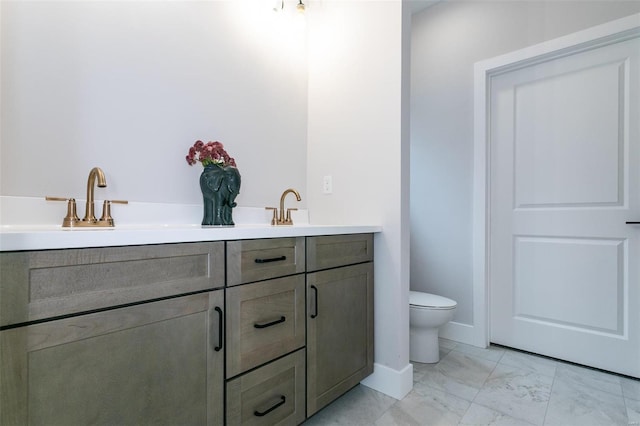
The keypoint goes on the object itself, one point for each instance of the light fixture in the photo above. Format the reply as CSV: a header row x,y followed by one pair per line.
x,y
300,7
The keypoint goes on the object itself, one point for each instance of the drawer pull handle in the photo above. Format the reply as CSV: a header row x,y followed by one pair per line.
x,y
315,301
272,259
269,324
219,347
264,413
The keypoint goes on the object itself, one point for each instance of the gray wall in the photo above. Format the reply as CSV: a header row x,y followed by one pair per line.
x,y
447,39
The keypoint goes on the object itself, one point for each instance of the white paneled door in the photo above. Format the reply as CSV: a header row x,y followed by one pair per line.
x,y
564,180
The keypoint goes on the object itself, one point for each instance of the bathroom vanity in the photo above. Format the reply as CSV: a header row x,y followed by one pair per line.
x,y
257,331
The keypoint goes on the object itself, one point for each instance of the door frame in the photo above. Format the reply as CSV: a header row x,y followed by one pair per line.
x,y
591,38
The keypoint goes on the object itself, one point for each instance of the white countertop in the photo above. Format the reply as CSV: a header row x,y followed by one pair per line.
x,y
24,237
164,223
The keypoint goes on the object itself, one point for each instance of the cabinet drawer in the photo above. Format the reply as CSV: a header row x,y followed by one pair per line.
x,y
43,284
271,395
338,250
264,320
255,260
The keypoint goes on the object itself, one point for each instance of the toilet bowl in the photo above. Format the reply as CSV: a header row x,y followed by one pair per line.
x,y
427,313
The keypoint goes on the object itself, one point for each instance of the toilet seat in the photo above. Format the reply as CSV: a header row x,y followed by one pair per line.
x,y
418,299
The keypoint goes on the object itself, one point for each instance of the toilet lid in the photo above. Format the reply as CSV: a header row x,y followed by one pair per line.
x,y
418,298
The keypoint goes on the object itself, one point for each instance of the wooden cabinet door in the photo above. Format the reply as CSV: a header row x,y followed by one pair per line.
x,y
339,332
154,363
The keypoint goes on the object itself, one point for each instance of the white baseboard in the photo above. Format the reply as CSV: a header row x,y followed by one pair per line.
x,y
396,384
463,333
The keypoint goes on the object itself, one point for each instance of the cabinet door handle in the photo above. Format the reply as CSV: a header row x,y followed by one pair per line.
x,y
633,223
315,301
220,326
269,324
264,413
271,259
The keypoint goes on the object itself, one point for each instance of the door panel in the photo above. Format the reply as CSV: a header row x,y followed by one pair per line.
x,y
564,179
550,117
548,270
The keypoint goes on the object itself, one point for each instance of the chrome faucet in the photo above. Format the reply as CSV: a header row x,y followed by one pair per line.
x,y
280,219
96,172
71,219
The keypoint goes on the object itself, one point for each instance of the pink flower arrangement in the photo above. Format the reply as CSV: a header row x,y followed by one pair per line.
x,y
209,153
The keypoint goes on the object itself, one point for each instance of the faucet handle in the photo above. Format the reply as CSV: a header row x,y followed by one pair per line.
x,y
72,216
274,220
288,219
48,198
106,210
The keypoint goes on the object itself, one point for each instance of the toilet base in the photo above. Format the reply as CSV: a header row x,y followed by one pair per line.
x,y
424,346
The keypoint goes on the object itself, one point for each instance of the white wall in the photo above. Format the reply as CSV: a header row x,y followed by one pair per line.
x,y
447,39
355,134
130,86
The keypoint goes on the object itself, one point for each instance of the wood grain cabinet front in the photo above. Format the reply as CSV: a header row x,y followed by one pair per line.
x,y
152,335
265,320
36,285
154,363
339,324
270,395
330,251
256,260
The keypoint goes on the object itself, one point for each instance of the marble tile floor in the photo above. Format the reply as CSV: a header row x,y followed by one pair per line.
x,y
494,386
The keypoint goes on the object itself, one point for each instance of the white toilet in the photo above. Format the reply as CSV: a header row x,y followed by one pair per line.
x,y
427,313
